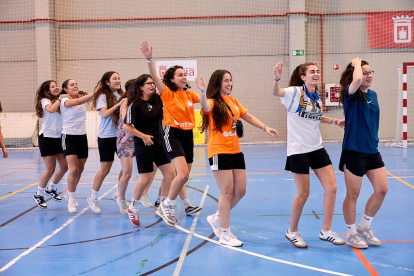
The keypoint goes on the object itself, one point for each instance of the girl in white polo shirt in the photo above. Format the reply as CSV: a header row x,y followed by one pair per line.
x,y
105,100
47,104
74,141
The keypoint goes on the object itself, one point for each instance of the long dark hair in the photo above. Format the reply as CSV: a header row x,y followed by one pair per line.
x,y
1,108
346,79
221,115
300,70
44,92
169,74
103,88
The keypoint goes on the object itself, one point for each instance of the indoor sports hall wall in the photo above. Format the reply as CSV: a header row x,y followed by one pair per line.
x,y
81,40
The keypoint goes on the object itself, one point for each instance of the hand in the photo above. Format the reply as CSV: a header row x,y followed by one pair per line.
x,y
356,61
278,70
121,102
340,123
146,50
201,83
148,140
5,153
63,96
272,131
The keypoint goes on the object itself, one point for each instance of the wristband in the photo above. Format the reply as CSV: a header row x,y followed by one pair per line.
x,y
203,92
330,121
278,79
264,127
148,59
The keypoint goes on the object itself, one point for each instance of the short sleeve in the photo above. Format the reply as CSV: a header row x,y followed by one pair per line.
x,y
194,96
101,102
45,102
241,108
62,104
349,98
288,98
130,115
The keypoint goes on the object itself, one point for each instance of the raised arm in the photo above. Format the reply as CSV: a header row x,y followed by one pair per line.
x,y
205,104
106,112
277,91
257,123
79,101
147,52
356,77
51,108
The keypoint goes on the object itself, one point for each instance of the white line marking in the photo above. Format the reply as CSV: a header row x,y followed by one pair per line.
x,y
45,239
190,235
263,256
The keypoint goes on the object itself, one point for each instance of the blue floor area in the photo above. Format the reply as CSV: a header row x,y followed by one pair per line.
x,y
56,242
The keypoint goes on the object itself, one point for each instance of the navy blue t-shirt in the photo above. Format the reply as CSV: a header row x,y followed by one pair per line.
x,y
361,122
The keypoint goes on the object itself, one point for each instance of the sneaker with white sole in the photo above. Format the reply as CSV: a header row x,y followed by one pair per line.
x,y
191,210
93,203
66,196
145,201
296,239
216,226
368,235
230,240
354,240
53,194
115,196
40,201
167,213
332,237
134,216
72,204
123,206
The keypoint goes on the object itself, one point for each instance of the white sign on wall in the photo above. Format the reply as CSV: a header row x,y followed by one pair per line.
x,y
190,67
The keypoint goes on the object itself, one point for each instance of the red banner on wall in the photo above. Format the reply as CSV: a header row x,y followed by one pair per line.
x,y
391,29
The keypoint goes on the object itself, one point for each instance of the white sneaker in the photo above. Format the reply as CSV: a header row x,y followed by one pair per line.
x,y
123,206
354,240
368,235
72,204
296,239
145,201
333,238
66,196
167,213
230,240
216,226
115,196
93,203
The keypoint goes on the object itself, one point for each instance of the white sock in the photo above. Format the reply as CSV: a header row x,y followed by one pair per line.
x,y
134,203
51,186
169,201
40,191
71,195
290,232
186,203
326,232
94,194
351,229
365,221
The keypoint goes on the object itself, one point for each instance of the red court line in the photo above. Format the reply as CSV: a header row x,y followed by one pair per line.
x,y
364,260
21,170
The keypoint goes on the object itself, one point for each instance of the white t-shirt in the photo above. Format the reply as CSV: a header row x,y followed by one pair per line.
x,y
74,118
303,118
52,122
106,127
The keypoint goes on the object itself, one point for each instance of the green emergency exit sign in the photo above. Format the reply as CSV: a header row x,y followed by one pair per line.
x,y
298,52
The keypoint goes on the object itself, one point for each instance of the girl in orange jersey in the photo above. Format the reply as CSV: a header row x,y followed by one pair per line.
x,y
224,153
178,133
2,145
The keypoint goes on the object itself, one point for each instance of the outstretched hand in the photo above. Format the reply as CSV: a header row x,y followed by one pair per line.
x,y
278,69
340,123
146,50
272,131
201,83
356,61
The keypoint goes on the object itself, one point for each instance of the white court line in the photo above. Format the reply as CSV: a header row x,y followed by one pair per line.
x,y
263,256
45,239
190,235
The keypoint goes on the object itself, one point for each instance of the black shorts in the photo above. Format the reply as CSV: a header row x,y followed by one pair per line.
x,y
75,145
222,161
107,149
178,142
146,155
300,163
358,163
49,146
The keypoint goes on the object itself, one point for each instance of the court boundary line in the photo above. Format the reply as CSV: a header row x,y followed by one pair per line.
x,y
371,270
16,192
263,256
21,170
399,179
45,239
190,235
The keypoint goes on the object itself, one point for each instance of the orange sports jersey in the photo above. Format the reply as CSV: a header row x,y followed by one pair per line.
x,y
179,108
226,141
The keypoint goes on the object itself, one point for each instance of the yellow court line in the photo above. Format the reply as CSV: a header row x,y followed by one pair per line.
x,y
396,177
31,185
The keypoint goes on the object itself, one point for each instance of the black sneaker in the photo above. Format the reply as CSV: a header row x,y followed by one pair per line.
x,y
157,203
39,201
191,210
53,194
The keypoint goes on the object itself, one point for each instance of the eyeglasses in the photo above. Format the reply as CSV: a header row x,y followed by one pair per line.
x,y
367,73
149,83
